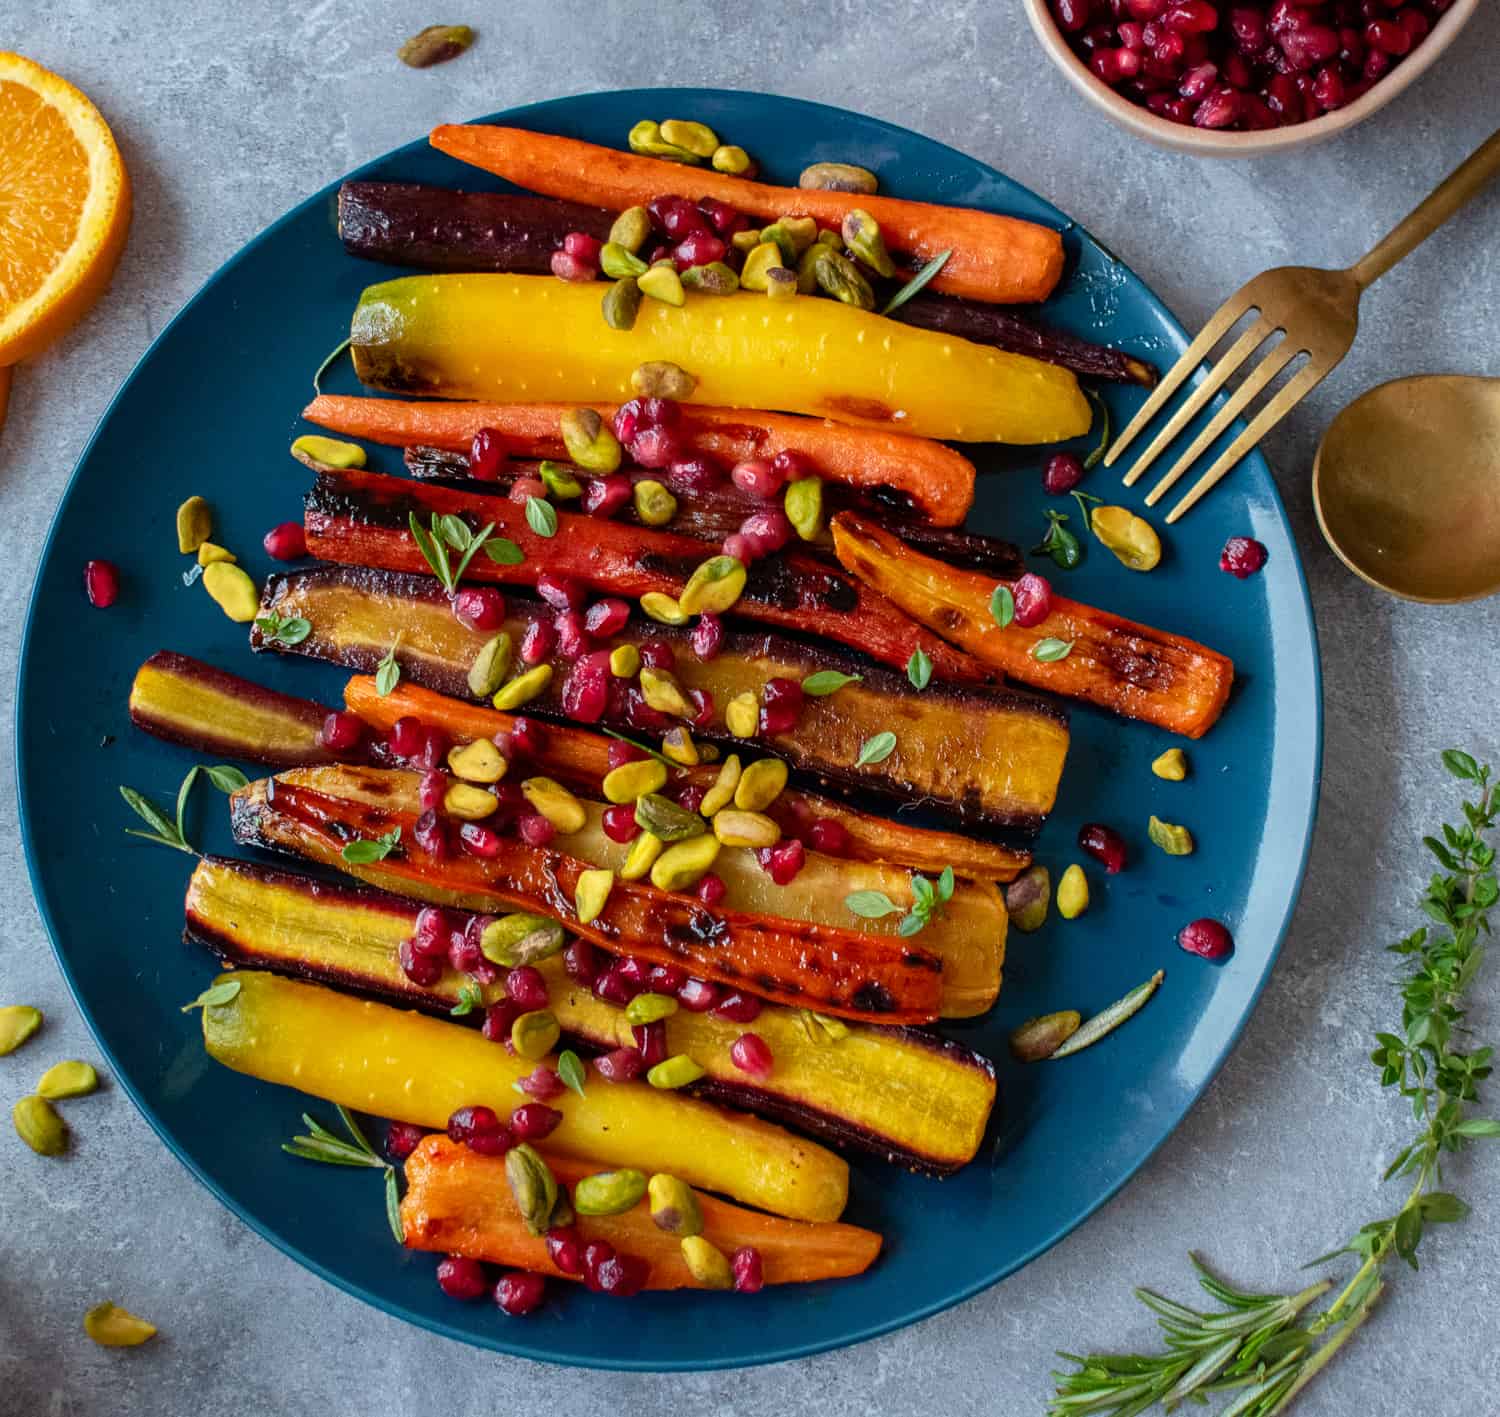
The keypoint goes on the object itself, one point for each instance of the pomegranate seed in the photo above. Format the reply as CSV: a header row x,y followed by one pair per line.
x,y
1242,556
794,466
758,478
650,1042
434,751
527,987
640,715
582,962
699,473
528,739
534,829
595,1253
1414,22
767,531
620,824
711,891
431,930
1388,37
658,654
583,247
523,489
1062,474
1104,844
620,752
431,835
1236,71
1072,15
1207,938
749,1274
432,786
541,1083
698,996
570,268
1377,65
635,969
464,952
739,547
615,988
658,446
498,1019
479,840
783,861
486,453
676,216
707,638
407,738
561,592
1329,89
781,705
604,496
461,1278
585,694
519,1293
341,732
479,608
627,421
469,1122
606,618
703,704
622,1065
698,248
537,642
750,1054
285,542
565,1249
401,1139
1192,17
101,583
737,1007
1248,26
423,970
534,1120
1199,81
1033,599
829,836
1114,66
1219,110
619,1275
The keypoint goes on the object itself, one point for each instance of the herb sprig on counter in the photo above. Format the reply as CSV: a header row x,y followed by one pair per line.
x,y
1264,1348
319,1144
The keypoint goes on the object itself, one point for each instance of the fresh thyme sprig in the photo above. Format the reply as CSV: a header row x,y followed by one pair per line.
x,y
448,531
322,1145
1260,1346
928,899
171,831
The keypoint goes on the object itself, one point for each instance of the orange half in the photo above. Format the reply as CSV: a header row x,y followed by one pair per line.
x,y
64,206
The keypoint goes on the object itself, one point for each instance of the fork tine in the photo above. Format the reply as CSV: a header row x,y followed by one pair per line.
x,y
1303,382
1224,319
1238,353
1234,405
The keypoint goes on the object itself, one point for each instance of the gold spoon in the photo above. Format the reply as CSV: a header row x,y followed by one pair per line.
x,y
1406,485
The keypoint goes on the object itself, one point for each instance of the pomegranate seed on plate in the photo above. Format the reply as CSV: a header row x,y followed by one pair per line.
x,y
737,1007
758,478
527,987
781,705
537,642
698,996
604,496
534,829
523,489
749,1274
467,1122
286,542
434,751
431,930
479,608
583,247
401,1139
794,466
722,217
479,840
711,891
698,248
676,216
519,1293
1062,474
620,824
650,1042
561,592
1242,556
614,988
528,739
1207,938
534,1120
767,531
542,1083
658,654
750,1054
606,618
486,453
498,1019
665,978
341,732
619,1275
432,786
1104,844
461,1278
698,473
570,268
431,835
739,547
1032,595
582,962
707,637
622,1065
423,970
658,446
407,738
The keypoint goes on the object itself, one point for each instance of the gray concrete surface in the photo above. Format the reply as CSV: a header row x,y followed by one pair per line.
x,y
230,113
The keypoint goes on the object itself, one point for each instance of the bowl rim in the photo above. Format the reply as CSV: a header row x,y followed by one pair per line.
x,y
1184,138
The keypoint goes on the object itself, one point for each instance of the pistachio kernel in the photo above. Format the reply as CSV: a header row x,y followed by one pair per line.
x,y
660,689
711,278
664,819
534,1035
469,803
208,553
706,1263
624,661
762,259
861,233
619,262
715,585
838,177
804,506
745,241
561,483
559,806
17,1023
839,277
678,746
72,1078
113,1327
760,785
480,761
436,44
1133,539
781,283
663,283
1173,839
1072,893
1040,1038
195,524
742,715
563,1212
807,280
591,893
662,608
721,794
643,854
661,379
674,1072
696,138
630,229
490,666
318,451
590,441
1172,765
736,828
533,1186
630,781
683,864
654,505
523,688
621,304
1028,897
800,231
39,1126
645,137
733,160
649,1008
674,1206
521,939
609,1192
233,591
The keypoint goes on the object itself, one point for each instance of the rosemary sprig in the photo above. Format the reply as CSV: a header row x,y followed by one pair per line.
x,y
1262,1347
319,1144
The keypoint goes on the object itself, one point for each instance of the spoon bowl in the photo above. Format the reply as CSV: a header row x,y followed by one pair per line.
x,y
1406,485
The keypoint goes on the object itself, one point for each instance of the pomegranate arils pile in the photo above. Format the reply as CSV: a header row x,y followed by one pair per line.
x,y
1247,65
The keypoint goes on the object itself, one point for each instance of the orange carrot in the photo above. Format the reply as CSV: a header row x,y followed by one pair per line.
x,y
995,258
1137,671
939,480
459,1203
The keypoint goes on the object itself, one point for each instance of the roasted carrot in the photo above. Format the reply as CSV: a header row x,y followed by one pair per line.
x,y
360,518
995,258
458,1202
1137,671
314,812
939,481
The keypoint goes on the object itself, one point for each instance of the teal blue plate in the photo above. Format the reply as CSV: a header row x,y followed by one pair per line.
x,y
210,410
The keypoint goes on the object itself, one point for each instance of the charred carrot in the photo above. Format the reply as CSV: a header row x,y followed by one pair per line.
x,y
459,1202
1137,671
361,518
938,481
995,258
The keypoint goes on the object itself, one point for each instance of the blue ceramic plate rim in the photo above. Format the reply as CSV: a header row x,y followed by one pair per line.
x,y
857,1334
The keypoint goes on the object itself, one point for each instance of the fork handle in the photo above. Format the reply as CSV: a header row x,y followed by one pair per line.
x,y
1466,181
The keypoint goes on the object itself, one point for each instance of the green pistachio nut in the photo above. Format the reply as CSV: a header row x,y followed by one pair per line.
x,y
469,803
646,138
1028,897
559,806
1173,839
674,1206
763,258
316,451
835,1028
73,1078
661,379
807,278
643,854
665,820
17,1023
663,283
630,229
490,666
609,1192
734,827
838,177
733,160
804,506
1040,1038
660,689
713,278
480,761
714,586
534,1035
631,781
590,441
654,505
521,939
624,661
649,1008
1072,893
760,785
662,608
781,283
839,277
745,241
618,262
39,1126
683,865
696,138
592,892
706,1263
621,304
861,233
523,688
563,1212
721,794
559,481
678,746
742,715
534,1187
674,1072
1171,766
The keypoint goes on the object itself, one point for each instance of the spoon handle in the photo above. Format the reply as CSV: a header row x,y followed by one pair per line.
x,y
1467,180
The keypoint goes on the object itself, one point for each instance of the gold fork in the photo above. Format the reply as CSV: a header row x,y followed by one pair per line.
x,y
1315,311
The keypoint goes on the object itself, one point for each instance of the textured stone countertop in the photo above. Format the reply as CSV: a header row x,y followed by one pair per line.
x,y
228,114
